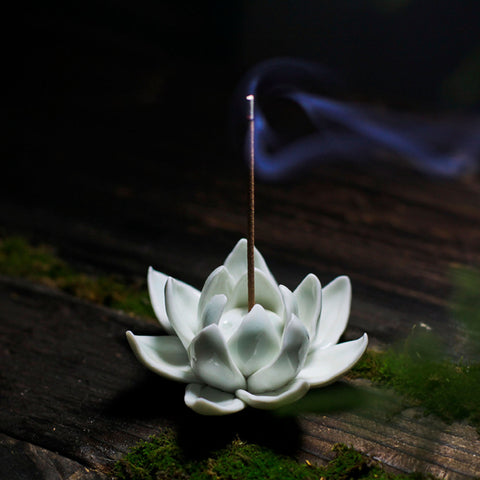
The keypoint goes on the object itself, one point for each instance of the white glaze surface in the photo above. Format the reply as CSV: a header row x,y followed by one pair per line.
x,y
264,358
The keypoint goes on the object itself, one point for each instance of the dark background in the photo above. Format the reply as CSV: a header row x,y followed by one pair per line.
x,y
108,85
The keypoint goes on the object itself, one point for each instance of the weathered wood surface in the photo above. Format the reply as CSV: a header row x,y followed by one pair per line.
x,y
397,235
74,398
27,461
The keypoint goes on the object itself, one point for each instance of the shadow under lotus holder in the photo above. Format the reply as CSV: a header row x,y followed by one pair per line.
x,y
231,357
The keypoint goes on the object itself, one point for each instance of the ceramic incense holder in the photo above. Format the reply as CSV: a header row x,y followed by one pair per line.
x,y
230,357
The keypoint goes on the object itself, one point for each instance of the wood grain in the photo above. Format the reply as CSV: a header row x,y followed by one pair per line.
x,y
74,399
72,388
23,460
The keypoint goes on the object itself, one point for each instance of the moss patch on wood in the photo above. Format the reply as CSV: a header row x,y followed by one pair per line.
x,y
465,307
40,264
416,370
161,458
419,369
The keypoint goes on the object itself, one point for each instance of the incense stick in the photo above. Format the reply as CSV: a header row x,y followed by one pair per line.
x,y
251,205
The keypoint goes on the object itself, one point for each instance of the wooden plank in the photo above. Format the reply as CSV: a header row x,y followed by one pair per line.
x,y
25,461
70,385
397,236
69,381
407,442
66,373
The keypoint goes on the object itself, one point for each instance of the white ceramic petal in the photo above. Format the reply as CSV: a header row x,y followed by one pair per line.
x,y
236,262
309,298
210,401
267,293
213,310
181,304
164,355
336,298
218,282
324,365
231,320
290,303
283,396
156,289
290,360
255,343
212,362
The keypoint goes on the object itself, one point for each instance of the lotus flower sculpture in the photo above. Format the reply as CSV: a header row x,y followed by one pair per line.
x,y
231,357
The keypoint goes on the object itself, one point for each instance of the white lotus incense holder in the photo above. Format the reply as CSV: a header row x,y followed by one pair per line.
x,y
230,357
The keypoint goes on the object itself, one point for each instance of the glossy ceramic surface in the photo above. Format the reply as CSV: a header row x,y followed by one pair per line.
x,y
264,358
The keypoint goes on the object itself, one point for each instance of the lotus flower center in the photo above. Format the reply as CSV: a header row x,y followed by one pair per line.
x,y
231,320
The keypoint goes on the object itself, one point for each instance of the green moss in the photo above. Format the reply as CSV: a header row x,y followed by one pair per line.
x,y
419,370
40,264
465,306
161,458
447,389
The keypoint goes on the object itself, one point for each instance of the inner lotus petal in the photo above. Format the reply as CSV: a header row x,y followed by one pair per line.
x,y
231,320
218,282
213,310
289,301
210,401
337,297
212,362
236,262
267,293
181,302
290,360
255,343
164,355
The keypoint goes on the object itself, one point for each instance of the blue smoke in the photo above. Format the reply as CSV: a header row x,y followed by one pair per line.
x,y
347,131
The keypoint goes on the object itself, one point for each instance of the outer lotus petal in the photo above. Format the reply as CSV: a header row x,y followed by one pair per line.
x,y
156,289
337,297
163,355
255,343
324,365
236,262
309,298
212,362
181,303
290,303
288,394
210,401
289,361
267,293
213,310
218,282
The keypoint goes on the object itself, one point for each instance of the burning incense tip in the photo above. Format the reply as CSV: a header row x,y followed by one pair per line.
x,y
251,111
